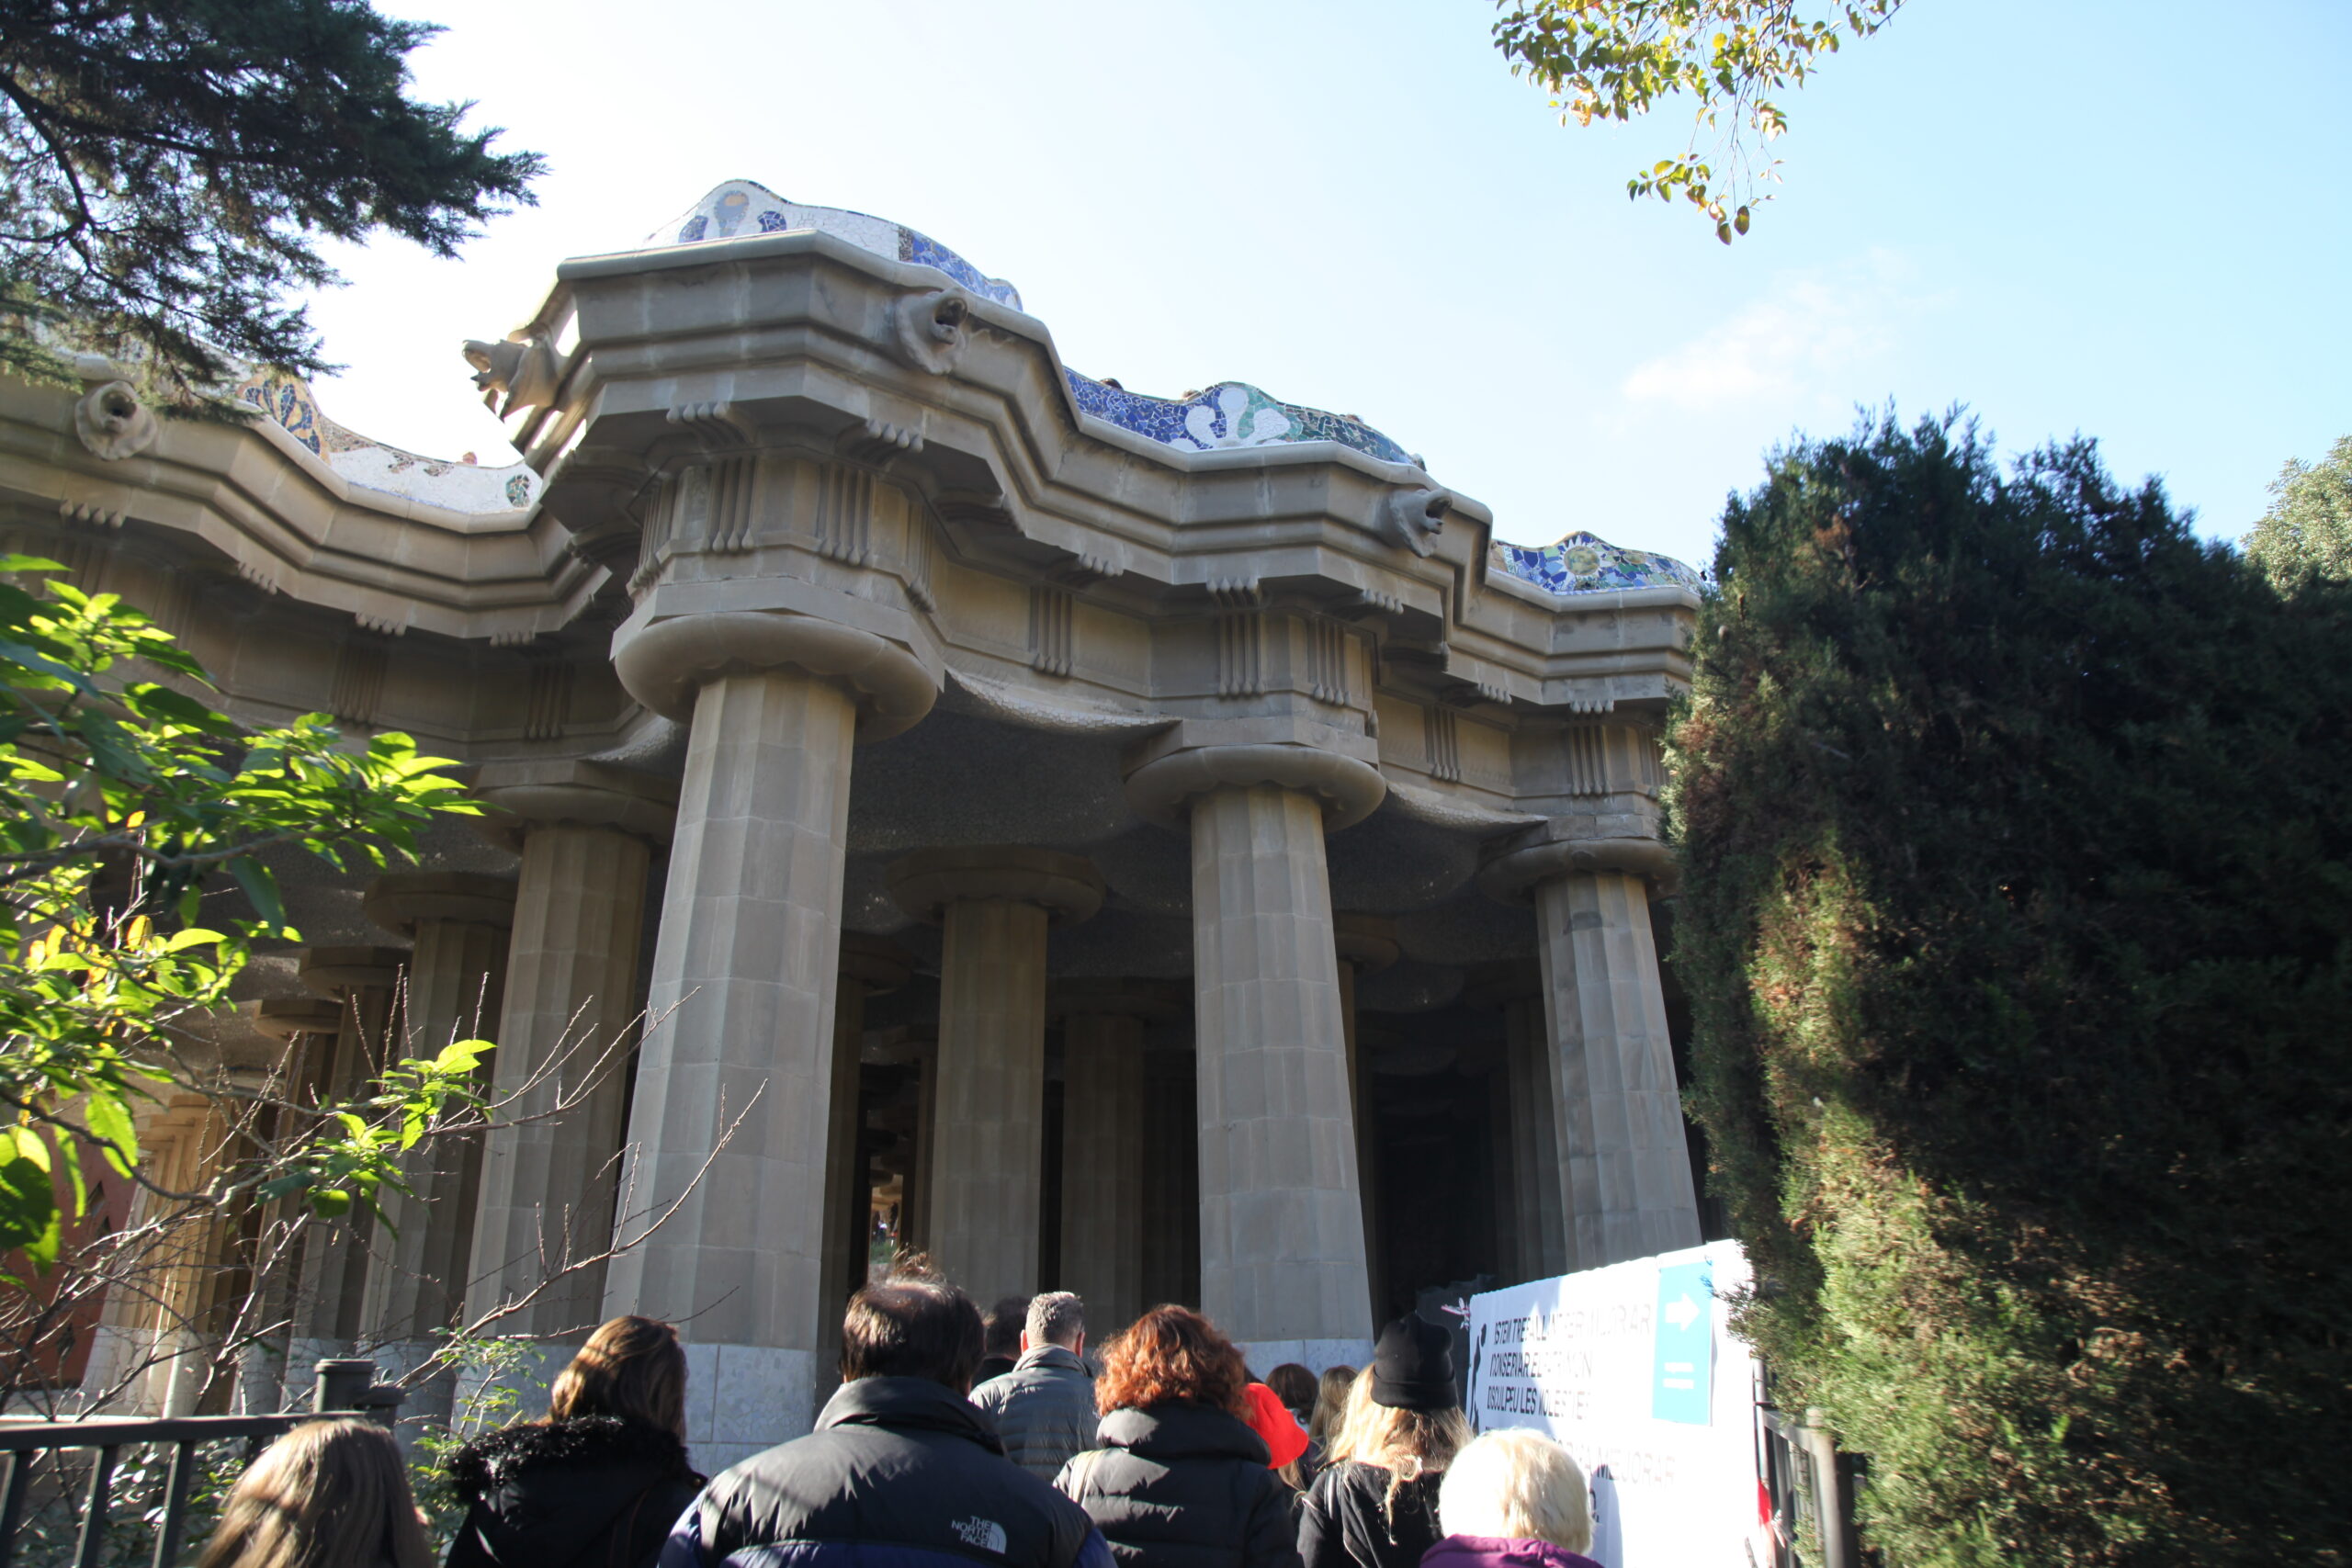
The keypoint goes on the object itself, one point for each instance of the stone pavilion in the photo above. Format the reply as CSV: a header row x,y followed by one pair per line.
x,y
1166,848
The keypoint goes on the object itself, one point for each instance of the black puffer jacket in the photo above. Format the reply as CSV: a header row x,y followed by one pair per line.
x,y
1184,1487
1348,1522
594,1492
900,1472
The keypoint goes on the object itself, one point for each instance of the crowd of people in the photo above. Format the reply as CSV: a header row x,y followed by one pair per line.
x,y
1162,1450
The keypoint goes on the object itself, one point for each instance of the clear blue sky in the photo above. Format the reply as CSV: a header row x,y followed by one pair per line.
x,y
2120,219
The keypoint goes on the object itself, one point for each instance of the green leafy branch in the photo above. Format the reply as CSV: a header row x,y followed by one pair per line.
x,y
121,794
1617,59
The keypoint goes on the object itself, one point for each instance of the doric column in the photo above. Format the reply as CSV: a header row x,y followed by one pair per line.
x,y
1539,1243
458,921
1502,1171
1364,944
1102,1142
923,1050
586,836
1625,1159
870,966
1171,1173
1282,1223
722,1219
993,906
330,1289
153,1350
308,1026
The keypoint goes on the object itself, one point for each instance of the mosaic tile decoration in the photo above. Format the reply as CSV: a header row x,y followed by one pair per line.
x,y
372,464
1230,414
1584,563
1227,415
745,206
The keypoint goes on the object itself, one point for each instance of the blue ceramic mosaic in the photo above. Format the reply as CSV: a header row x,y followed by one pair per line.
x,y
1583,563
1231,413
746,207
1228,415
369,464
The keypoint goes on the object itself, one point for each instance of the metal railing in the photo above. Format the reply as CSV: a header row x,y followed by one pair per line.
x,y
341,1387
1811,1486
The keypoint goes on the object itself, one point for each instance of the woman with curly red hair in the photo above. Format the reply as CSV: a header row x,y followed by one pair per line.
x,y
1179,1480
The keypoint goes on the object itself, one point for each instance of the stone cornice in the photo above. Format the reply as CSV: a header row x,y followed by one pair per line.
x,y
794,332
256,499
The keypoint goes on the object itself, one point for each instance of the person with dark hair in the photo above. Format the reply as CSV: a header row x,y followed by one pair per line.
x,y
902,1471
1180,1480
328,1492
1296,1386
601,1479
1375,1504
1043,1408
1001,1337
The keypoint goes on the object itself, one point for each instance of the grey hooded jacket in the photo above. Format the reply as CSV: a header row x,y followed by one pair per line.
x,y
1044,1409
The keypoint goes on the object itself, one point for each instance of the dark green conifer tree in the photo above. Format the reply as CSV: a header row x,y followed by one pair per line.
x,y
166,171
2017,827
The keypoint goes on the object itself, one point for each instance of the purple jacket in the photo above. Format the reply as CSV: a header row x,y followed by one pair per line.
x,y
1492,1551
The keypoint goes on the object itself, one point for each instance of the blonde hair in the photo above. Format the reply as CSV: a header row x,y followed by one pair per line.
x,y
1330,1402
632,1368
1407,1444
329,1494
1518,1485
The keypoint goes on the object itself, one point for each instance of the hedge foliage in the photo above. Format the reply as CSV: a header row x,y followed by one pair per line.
x,y
2017,829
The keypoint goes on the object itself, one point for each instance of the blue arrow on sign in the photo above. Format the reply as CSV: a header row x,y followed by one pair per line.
x,y
1682,1363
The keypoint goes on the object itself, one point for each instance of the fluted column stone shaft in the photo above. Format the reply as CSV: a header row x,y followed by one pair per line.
x,y
1536,1110
1625,1154
994,906
723,1204
1503,1171
1104,1137
330,1288
416,1266
869,965
570,1015
1282,1220
1365,943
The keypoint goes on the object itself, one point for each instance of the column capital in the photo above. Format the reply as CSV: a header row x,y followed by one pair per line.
x,y
572,792
1561,846
334,971
1115,998
1368,941
875,962
285,1018
1164,783
400,900
665,661
1064,886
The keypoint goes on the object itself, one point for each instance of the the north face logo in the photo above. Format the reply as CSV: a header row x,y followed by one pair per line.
x,y
986,1534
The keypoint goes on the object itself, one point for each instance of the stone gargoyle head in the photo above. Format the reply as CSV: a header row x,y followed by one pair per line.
x,y
1414,517
113,423
932,327
527,370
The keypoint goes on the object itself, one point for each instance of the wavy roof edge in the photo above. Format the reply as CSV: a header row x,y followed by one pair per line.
x,y
1227,415
1223,416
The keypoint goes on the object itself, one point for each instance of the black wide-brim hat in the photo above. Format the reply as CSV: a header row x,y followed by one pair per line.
x,y
1412,1367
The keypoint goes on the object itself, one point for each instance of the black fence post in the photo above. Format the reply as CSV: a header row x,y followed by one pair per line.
x,y
93,1516
12,1502
167,1539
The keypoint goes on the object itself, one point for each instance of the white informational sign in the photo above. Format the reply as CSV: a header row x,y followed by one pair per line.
x,y
1632,1369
